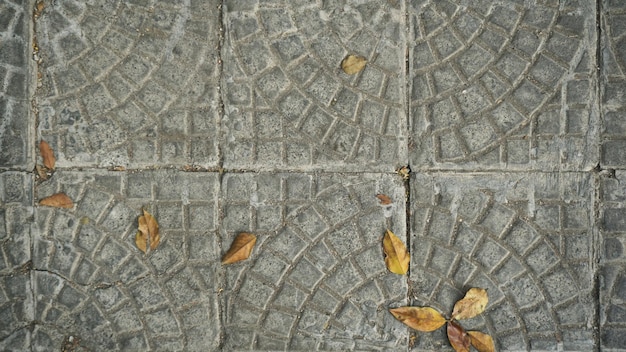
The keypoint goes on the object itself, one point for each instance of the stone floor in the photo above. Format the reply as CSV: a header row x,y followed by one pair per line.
x,y
230,116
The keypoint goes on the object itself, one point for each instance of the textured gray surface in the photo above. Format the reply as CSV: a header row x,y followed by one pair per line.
x,y
221,117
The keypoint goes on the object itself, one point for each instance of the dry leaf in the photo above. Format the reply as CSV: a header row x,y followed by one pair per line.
x,y
424,319
240,249
471,305
141,240
457,336
42,172
59,200
482,342
384,199
47,154
396,256
352,64
148,234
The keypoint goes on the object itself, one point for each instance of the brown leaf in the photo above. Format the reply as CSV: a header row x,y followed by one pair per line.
x,y
384,199
353,64
424,319
148,233
396,256
457,336
59,200
240,249
42,172
141,240
47,154
471,305
482,342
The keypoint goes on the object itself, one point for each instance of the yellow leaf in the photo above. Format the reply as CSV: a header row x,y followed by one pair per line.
x,y
396,256
384,199
471,305
240,249
59,200
352,64
457,336
141,240
424,319
148,232
482,342
47,155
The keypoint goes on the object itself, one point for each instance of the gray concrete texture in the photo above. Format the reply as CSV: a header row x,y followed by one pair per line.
x,y
221,117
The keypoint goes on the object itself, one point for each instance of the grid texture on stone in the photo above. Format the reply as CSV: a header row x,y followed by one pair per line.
x,y
288,103
502,85
613,262
15,124
15,287
614,77
525,237
129,83
91,282
316,279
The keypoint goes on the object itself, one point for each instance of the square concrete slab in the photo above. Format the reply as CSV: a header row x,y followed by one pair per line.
x,y
289,105
16,298
129,84
316,279
525,237
94,285
16,128
613,261
502,86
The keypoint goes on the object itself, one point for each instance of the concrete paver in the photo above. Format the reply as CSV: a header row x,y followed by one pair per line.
x,y
221,117
526,237
288,103
612,270
16,135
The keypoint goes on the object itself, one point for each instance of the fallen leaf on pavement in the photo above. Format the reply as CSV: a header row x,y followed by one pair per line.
x,y
148,232
240,249
353,64
471,305
457,336
59,200
396,256
47,154
384,199
481,341
424,319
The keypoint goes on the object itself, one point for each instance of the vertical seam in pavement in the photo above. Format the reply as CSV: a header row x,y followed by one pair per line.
x,y
407,181
221,302
596,238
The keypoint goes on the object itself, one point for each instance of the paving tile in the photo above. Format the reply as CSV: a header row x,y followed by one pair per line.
x,y
502,86
316,279
288,103
613,262
16,299
525,237
614,78
92,284
129,83
16,150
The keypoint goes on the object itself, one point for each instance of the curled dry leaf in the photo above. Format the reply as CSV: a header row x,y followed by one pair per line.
x,y
396,256
459,339
481,342
353,64
148,232
424,319
47,154
384,199
59,200
471,305
240,249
